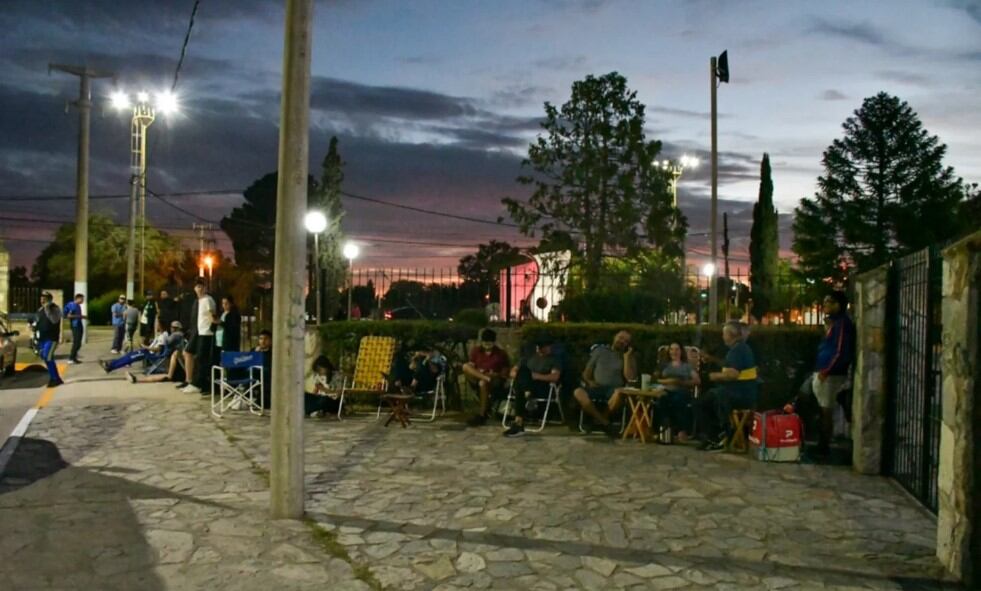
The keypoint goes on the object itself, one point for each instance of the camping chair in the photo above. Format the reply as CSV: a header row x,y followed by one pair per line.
x,y
237,393
157,362
551,400
438,392
374,362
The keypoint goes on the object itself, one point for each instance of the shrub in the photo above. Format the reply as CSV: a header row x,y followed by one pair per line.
x,y
613,306
472,317
99,309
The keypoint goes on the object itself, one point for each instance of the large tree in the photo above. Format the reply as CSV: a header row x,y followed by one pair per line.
x,y
885,192
327,199
483,268
596,188
764,244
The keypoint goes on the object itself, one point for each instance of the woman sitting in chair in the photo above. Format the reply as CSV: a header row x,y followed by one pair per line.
x,y
674,409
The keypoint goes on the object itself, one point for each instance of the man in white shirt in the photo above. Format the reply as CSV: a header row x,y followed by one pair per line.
x,y
202,343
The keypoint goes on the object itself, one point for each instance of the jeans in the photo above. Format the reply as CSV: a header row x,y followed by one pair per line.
x,y
78,333
524,384
717,404
128,359
118,332
47,354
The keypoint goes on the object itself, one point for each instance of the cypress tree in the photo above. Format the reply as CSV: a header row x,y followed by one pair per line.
x,y
764,244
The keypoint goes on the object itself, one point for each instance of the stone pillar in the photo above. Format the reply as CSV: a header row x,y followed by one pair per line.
x,y
869,393
959,511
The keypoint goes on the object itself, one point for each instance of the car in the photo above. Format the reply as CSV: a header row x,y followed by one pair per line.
x,y
8,349
403,313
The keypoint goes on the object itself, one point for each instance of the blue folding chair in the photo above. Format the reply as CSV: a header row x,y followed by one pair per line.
x,y
236,384
155,363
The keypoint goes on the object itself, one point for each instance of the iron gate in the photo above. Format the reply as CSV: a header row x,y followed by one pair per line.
x,y
915,380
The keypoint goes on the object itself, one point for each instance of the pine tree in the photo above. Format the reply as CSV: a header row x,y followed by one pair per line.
x,y
328,200
764,244
884,192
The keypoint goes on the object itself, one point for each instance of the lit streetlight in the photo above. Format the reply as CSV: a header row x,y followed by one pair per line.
x,y
316,223
351,252
676,169
144,113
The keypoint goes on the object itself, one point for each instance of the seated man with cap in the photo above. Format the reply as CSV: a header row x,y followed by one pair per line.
x,y
533,376
487,370
165,341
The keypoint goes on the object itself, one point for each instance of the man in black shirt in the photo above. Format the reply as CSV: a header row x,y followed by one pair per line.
x,y
48,323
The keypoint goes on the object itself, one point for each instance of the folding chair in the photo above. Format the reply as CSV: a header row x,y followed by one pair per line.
x,y
374,362
623,419
439,397
552,398
245,393
157,362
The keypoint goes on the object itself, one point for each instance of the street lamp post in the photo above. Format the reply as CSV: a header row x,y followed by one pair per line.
x,y
144,114
316,222
351,252
676,169
708,271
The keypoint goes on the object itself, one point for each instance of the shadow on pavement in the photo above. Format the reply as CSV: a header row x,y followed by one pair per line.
x,y
32,376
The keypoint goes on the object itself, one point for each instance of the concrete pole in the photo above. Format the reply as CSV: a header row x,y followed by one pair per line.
x,y
316,275
713,284
350,286
84,106
286,478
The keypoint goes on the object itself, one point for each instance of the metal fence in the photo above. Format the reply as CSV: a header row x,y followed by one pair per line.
x,y
915,373
521,293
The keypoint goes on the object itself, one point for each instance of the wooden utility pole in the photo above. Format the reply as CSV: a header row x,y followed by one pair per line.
x,y
286,456
84,106
713,287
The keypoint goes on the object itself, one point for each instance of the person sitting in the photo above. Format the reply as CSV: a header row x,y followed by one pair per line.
x,y
264,346
175,371
737,388
325,397
165,341
607,370
674,408
533,376
425,368
487,371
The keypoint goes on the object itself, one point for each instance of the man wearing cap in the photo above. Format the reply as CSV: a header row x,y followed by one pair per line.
x,y
487,370
74,315
165,341
48,323
533,376
117,313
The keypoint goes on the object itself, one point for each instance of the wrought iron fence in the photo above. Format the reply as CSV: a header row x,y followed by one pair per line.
x,y
915,373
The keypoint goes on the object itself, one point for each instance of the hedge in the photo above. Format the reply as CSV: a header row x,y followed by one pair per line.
x,y
785,354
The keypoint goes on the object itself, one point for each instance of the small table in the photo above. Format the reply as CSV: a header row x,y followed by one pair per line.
x,y
639,425
399,404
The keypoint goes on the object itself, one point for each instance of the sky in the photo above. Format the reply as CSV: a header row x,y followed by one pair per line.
x,y
435,102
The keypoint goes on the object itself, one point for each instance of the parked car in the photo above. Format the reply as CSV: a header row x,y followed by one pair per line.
x,y
403,313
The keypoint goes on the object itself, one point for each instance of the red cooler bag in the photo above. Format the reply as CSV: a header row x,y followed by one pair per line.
x,y
776,436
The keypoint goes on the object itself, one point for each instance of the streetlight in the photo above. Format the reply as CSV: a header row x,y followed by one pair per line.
x,y
351,252
316,222
144,113
676,168
708,271
209,262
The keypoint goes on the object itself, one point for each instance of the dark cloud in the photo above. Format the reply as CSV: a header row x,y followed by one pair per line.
x,y
562,62
833,95
858,32
907,78
331,94
971,7
681,112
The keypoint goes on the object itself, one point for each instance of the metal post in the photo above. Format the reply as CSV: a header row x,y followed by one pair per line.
x,y
350,285
713,287
84,106
286,458
316,275
131,243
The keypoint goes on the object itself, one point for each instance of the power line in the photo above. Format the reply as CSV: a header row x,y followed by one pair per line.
x,y
187,37
427,211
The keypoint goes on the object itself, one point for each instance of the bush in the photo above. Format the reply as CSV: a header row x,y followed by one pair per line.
x,y
785,355
613,306
472,317
99,309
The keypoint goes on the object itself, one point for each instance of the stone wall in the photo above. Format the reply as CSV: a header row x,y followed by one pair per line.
x,y
959,512
869,394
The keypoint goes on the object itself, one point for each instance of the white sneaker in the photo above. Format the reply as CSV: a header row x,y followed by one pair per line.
x,y
114,351
72,362
191,389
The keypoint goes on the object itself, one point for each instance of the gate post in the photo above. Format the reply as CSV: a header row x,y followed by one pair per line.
x,y
959,510
869,390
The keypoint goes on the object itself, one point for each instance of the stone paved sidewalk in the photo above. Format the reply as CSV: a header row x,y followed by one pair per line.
x,y
438,506
150,496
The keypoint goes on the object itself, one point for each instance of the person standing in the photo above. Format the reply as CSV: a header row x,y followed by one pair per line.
x,y
118,324
228,336
166,311
132,317
48,323
148,320
835,355
203,342
74,315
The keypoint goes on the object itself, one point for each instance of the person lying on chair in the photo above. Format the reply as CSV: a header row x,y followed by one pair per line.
x,y
175,372
165,341
533,376
608,369
737,388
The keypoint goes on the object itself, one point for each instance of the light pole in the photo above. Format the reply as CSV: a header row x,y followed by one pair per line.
x,y
676,169
316,222
718,73
351,252
144,114
708,271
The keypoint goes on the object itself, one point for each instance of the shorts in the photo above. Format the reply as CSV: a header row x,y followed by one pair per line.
x,y
600,393
827,390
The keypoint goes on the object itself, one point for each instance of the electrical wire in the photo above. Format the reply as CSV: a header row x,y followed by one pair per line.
x,y
187,38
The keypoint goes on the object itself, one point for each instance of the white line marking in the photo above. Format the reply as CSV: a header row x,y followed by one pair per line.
x,y
10,446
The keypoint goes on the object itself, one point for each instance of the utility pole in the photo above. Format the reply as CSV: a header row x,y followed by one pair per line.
x,y
725,257
84,106
718,73
286,458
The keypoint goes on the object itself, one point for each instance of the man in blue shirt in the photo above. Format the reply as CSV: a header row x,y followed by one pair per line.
x,y
73,313
834,357
737,388
118,312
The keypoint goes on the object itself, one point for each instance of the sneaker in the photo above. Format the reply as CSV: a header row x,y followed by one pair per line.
x,y
191,389
132,378
114,351
181,385
105,366
55,383
72,362
515,430
714,445
477,421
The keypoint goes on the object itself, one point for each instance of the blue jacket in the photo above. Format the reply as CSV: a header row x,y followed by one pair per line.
x,y
837,349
